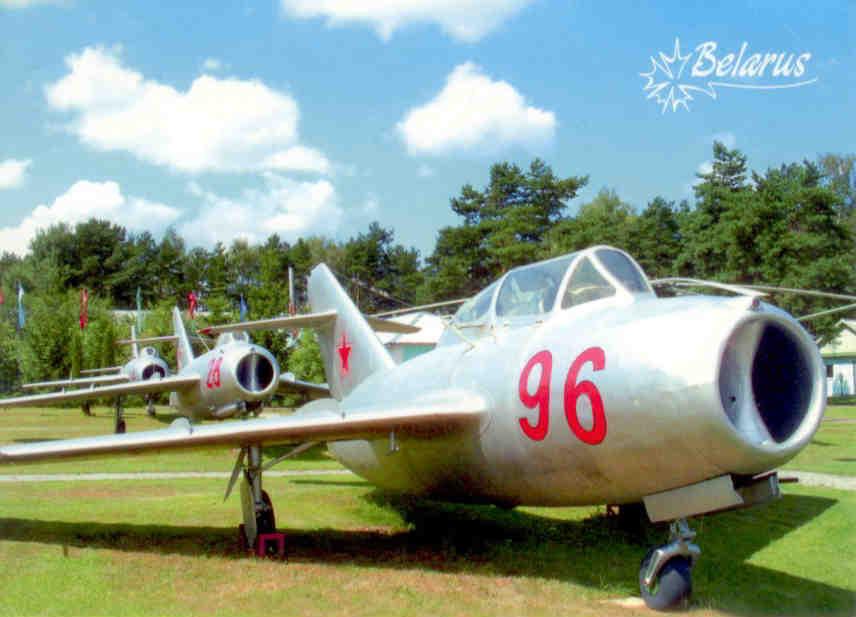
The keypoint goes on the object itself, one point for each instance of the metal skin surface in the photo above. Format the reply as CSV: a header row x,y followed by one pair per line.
x,y
146,365
215,397
666,426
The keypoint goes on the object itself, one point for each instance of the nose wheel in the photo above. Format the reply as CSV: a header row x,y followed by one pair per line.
x,y
665,581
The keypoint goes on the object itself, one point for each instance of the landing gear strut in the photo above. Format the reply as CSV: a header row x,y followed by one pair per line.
x,y
259,518
150,405
119,423
664,576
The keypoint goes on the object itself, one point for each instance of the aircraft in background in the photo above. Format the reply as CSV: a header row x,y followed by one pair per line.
x,y
234,378
144,364
566,382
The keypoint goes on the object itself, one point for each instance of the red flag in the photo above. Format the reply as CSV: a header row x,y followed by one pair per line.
x,y
84,308
191,302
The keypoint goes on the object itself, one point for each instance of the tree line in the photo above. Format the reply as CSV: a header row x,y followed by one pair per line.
x,y
790,226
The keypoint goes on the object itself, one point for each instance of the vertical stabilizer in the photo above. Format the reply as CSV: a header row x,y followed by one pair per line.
x,y
135,347
349,347
183,350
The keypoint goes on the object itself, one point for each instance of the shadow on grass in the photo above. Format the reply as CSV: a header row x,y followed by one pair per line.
x,y
594,552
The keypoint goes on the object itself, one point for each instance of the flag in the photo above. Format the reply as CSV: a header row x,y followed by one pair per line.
x,y
191,304
292,306
84,308
22,314
243,309
139,310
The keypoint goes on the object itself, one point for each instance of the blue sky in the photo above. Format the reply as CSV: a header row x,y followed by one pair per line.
x,y
242,118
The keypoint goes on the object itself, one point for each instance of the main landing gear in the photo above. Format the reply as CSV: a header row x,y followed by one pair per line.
x,y
150,405
664,576
119,417
258,531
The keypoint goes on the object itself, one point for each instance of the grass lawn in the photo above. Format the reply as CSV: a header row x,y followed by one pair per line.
x,y
833,447
169,548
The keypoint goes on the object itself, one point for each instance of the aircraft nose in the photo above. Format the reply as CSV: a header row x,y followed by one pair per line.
x,y
772,383
257,373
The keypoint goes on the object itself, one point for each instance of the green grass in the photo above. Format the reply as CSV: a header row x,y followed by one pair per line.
x,y
833,447
169,548
18,425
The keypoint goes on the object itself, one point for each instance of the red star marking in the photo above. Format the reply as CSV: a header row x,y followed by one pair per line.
x,y
344,349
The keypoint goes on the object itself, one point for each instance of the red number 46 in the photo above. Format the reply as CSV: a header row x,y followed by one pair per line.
x,y
573,391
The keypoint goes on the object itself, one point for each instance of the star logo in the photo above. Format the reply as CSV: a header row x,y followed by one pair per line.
x,y
664,80
344,350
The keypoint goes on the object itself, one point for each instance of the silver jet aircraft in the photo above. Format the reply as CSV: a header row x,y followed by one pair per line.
x,y
144,364
234,378
565,382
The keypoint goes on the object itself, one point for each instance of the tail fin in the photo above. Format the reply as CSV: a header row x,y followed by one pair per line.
x,y
135,347
183,350
349,347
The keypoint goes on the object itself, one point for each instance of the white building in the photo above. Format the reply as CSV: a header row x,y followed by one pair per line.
x,y
403,347
839,356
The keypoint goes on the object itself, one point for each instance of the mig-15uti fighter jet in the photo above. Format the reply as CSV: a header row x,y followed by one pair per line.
x,y
145,364
566,382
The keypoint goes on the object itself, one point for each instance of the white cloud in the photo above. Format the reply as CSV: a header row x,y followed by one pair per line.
x,y
475,113
212,64
216,125
25,4
12,172
465,20
290,208
424,171
85,200
298,158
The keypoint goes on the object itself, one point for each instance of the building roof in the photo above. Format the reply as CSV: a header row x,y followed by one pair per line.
x,y
843,345
431,328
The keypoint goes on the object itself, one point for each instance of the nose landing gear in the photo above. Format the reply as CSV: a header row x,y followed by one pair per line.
x,y
664,575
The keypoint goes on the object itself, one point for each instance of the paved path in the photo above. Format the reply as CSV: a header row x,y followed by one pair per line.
x,y
157,475
809,478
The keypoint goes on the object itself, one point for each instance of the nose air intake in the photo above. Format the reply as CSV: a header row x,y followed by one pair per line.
x,y
255,372
153,370
770,380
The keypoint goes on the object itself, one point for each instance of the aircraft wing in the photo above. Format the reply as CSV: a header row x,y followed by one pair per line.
x,y
150,386
309,320
445,412
289,383
100,371
81,381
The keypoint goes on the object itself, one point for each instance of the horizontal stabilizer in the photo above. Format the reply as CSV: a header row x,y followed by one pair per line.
x,y
150,386
289,383
150,339
439,414
101,371
81,381
309,320
688,282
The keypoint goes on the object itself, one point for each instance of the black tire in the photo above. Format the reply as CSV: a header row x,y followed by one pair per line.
x,y
266,520
672,588
120,427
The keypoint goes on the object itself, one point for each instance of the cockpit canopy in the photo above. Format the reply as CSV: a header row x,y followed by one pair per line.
x,y
556,284
236,336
